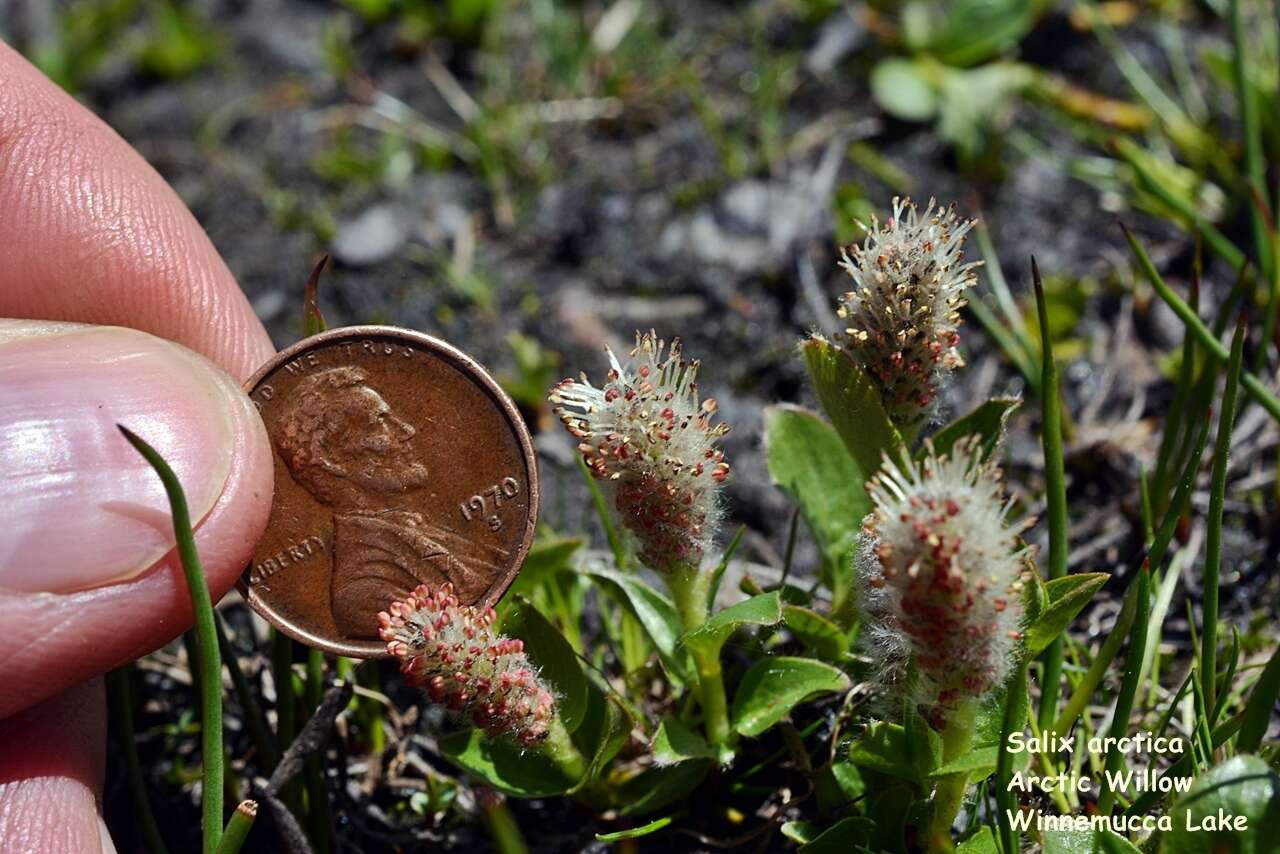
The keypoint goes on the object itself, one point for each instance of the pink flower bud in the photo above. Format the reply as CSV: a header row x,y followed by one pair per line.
x,y
451,651
903,312
942,573
645,435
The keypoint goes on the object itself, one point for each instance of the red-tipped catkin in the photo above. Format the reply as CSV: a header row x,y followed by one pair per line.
x,y
902,315
942,574
650,441
451,651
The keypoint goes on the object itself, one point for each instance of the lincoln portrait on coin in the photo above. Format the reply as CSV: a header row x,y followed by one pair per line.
x,y
343,443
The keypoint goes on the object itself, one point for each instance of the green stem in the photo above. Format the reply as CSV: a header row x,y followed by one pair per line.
x,y
210,662
957,738
1055,493
286,709
689,590
238,828
257,722
1213,538
120,696
1005,802
1129,685
1257,390
560,749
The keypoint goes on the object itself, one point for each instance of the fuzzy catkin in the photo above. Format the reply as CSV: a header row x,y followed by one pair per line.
x,y
902,315
942,575
650,442
451,651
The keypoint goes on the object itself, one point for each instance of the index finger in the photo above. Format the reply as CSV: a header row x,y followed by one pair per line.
x,y
92,233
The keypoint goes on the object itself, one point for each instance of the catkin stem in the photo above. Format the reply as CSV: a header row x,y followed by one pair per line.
x,y
957,737
689,589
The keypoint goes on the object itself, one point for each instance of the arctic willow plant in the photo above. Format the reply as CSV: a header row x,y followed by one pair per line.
x,y
902,315
943,574
650,441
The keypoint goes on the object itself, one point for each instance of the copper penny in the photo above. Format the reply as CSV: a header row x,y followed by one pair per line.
x,y
398,461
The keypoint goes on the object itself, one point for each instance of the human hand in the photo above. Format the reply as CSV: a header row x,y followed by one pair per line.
x,y
88,578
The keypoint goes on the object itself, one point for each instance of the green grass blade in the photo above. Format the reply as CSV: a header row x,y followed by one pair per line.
x,y
717,575
1252,384
1174,422
256,721
238,828
1255,168
1128,151
1181,497
1004,760
1257,712
210,664
1131,684
1088,683
616,542
120,701
1213,541
1055,491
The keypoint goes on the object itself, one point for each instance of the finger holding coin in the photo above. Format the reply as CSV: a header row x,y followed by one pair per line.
x,y
399,461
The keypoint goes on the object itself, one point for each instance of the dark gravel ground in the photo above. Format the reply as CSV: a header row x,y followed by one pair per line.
x,y
576,214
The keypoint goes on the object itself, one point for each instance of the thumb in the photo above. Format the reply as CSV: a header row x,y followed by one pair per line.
x,y
88,577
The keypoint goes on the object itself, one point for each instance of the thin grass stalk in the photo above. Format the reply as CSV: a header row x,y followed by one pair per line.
x,y
1130,685
286,710
1055,491
1088,683
1257,711
238,828
210,664
1217,241
616,543
1213,538
1254,167
1224,681
1005,340
120,700
318,808
1181,499
1004,759
256,721
1257,390
1174,422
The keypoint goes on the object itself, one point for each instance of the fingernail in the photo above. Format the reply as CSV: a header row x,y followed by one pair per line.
x,y
82,508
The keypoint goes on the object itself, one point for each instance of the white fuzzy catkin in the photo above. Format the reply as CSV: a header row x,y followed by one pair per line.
x,y
902,315
942,575
651,443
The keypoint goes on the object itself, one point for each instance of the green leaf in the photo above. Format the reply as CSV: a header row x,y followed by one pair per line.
x,y
845,836
636,832
800,832
1244,786
546,558
1257,712
555,659
762,610
503,765
837,784
662,785
808,460
982,842
887,748
1100,841
653,610
902,89
775,685
1067,597
674,742
605,728
965,32
851,402
816,632
987,423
